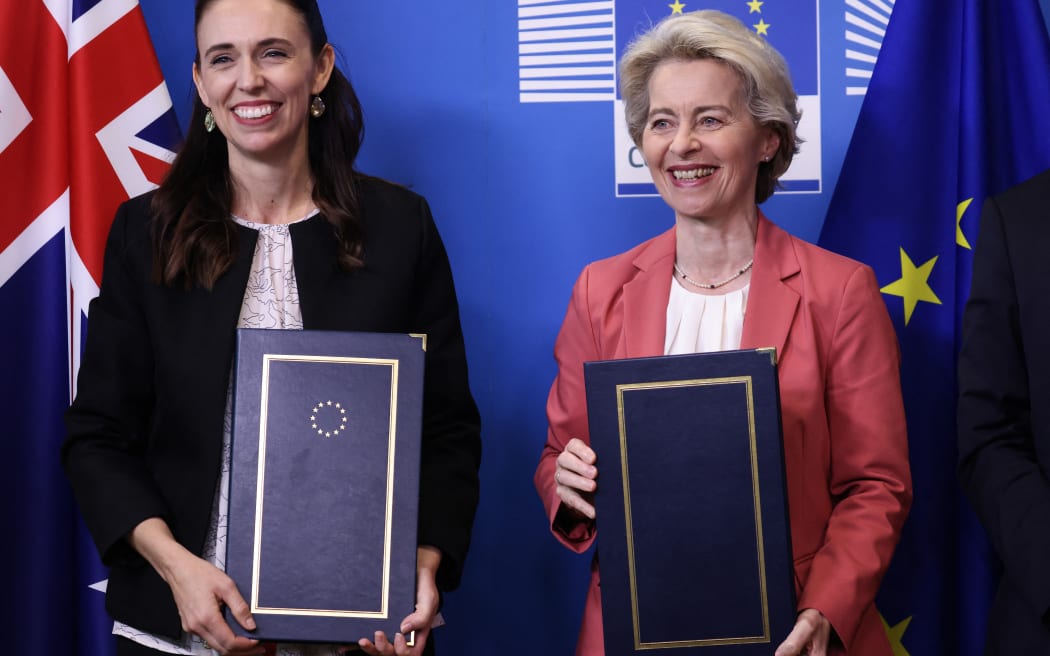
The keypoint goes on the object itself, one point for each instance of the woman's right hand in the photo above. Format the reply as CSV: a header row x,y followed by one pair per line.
x,y
200,590
575,476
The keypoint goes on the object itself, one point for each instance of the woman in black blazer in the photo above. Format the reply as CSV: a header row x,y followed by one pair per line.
x,y
261,222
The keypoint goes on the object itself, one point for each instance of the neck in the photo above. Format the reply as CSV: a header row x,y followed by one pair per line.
x,y
712,250
272,193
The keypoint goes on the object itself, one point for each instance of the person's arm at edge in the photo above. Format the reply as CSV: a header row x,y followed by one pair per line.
x,y
109,416
451,447
870,474
567,416
998,468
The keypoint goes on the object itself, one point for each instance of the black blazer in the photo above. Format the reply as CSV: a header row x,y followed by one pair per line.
x,y
145,430
1004,409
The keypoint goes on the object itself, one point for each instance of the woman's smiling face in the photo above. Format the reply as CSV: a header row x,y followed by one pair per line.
x,y
700,142
257,73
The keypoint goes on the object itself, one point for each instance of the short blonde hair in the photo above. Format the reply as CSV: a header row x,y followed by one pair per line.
x,y
708,34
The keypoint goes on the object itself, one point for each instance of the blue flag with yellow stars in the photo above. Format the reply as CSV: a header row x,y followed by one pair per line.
x,y
955,111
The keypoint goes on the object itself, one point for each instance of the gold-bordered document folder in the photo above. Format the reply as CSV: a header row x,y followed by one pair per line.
x,y
693,537
324,482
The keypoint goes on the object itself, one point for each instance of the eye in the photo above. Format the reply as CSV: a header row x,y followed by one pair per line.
x,y
275,54
659,124
219,60
709,122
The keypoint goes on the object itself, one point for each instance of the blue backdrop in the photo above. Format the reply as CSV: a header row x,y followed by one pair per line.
x,y
525,194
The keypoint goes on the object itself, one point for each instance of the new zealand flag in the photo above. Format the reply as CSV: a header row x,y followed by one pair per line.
x,y
85,123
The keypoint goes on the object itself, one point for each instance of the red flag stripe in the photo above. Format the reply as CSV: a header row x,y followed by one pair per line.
x,y
102,87
34,168
154,168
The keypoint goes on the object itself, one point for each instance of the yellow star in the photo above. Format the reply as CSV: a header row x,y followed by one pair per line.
x,y
754,6
960,209
895,633
762,27
912,285
676,8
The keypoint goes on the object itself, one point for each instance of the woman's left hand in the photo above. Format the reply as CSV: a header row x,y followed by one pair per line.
x,y
810,636
427,560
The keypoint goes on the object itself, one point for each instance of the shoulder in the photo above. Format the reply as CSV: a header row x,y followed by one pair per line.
x,y
1019,213
1028,195
838,284
388,199
826,283
136,211
837,295
833,267
132,223
817,265
602,283
139,205
626,265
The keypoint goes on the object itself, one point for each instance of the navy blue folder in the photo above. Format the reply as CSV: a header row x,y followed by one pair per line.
x,y
693,536
324,487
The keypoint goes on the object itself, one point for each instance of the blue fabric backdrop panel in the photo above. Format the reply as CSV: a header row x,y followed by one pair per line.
x,y
525,194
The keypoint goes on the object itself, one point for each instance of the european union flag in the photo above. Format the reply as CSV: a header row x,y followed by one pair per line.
x,y
955,111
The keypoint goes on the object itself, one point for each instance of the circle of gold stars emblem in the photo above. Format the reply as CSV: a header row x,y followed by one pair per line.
x,y
325,426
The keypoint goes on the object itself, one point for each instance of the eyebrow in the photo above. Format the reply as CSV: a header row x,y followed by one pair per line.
x,y
698,110
265,43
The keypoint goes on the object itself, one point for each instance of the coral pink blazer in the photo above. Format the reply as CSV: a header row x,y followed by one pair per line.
x,y
845,441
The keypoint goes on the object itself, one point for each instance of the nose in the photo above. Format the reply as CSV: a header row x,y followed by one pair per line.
x,y
250,75
685,140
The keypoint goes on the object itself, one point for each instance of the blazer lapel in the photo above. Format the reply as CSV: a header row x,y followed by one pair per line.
x,y
316,251
771,303
207,321
645,299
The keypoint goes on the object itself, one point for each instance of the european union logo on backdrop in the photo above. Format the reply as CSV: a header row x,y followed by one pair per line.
x,y
955,112
789,25
568,53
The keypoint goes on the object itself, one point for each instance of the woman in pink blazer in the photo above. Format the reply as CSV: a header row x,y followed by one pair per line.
x,y
713,110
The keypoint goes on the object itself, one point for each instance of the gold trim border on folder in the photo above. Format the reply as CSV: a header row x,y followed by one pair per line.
x,y
756,496
382,612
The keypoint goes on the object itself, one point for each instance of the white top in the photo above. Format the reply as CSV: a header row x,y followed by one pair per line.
x,y
701,323
271,300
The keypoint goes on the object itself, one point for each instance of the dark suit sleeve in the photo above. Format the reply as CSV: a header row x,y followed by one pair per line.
x,y
108,420
451,448
997,460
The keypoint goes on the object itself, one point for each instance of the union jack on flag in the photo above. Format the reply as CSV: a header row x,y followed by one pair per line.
x,y
85,123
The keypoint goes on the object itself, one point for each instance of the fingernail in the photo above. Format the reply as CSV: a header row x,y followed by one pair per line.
x,y
250,623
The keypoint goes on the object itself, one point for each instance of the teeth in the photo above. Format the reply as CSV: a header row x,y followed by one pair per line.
x,y
255,112
693,174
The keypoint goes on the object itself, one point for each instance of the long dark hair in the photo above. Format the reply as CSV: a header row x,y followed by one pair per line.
x,y
194,240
